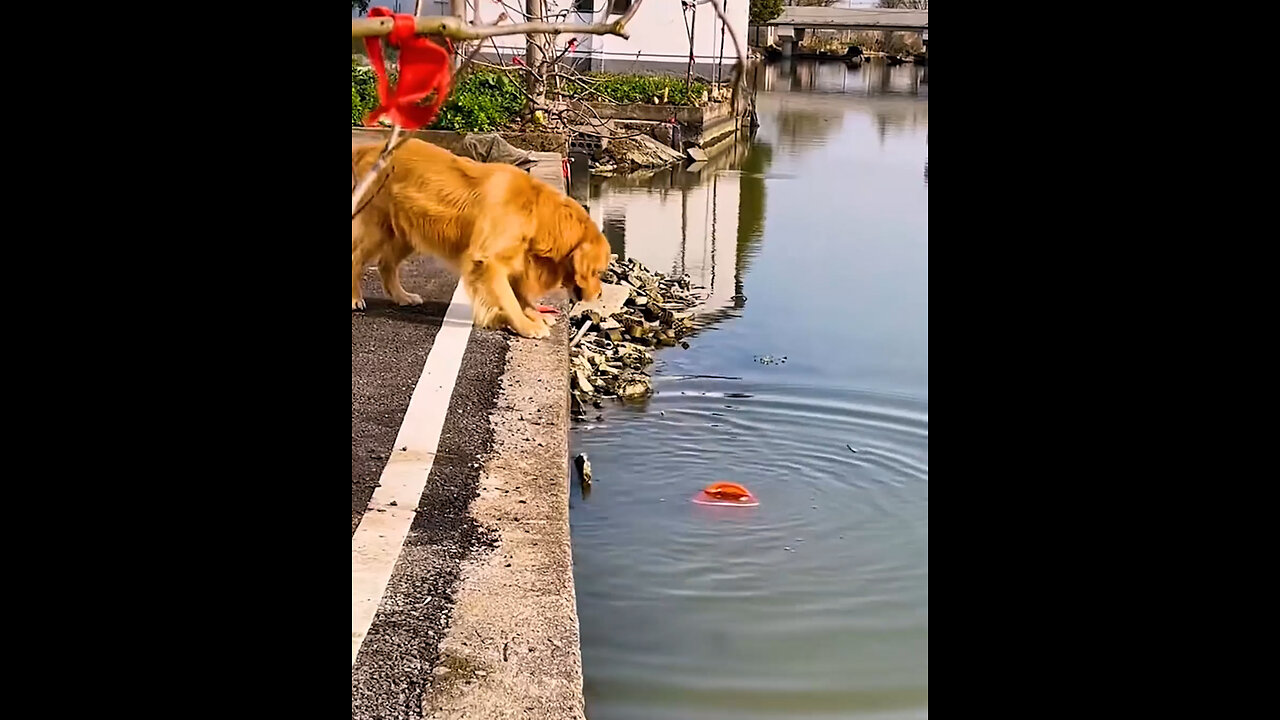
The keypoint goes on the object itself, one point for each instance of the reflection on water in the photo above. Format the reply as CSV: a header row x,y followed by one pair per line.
x,y
868,79
704,222
813,243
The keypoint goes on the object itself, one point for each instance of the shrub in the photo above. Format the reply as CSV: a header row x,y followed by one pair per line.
x,y
635,89
762,11
483,101
488,100
364,93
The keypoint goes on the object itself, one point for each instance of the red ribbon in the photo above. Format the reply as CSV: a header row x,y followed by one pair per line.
x,y
424,68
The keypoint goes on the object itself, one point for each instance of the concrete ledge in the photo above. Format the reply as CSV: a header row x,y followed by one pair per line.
x,y
715,132
547,166
534,141
512,646
684,114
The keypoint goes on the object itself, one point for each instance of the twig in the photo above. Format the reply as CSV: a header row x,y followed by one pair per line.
x,y
455,28
740,71
462,69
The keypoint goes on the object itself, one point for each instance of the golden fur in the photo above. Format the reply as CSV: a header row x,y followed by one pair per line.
x,y
510,237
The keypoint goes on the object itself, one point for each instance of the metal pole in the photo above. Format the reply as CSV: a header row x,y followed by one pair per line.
x,y
693,29
720,57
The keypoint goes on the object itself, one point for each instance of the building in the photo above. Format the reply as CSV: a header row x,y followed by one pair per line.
x,y
659,33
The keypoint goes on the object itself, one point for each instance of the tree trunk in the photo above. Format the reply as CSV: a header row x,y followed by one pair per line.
x,y
458,8
533,56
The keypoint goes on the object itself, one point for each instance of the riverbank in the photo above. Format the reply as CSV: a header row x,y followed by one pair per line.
x,y
512,648
620,122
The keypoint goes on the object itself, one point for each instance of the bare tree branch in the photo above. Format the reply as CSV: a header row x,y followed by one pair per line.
x,y
455,28
740,71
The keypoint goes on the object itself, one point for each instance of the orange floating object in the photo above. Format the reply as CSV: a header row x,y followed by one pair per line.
x,y
727,494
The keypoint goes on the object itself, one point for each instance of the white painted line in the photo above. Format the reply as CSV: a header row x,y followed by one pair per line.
x,y
380,535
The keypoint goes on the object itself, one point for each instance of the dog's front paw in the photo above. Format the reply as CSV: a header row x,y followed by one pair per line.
x,y
536,331
538,317
357,304
410,299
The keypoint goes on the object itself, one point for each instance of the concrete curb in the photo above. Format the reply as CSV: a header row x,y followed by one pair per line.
x,y
512,647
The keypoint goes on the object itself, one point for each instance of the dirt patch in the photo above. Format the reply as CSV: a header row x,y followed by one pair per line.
x,y
539,142
635,153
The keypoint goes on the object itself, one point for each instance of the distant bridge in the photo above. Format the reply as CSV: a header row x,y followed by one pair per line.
x,y
789,27
824,18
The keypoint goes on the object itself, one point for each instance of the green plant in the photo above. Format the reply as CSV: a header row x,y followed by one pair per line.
x,y
364,93
489,100
634,89
894,43
762,11
484,100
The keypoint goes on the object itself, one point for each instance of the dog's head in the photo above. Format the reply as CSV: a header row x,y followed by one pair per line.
x,y
588,256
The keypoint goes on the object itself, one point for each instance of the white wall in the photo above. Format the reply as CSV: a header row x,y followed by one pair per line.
x,y
658,33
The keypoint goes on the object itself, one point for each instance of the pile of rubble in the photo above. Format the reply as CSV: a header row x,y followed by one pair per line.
x,y
612,347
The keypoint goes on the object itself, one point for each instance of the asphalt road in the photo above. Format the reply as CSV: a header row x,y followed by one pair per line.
x,y
389,346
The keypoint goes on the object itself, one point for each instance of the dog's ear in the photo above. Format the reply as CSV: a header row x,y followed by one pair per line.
x,y
569,228
557,229
587,261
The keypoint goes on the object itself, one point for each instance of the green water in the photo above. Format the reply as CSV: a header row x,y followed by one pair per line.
x,y
815,604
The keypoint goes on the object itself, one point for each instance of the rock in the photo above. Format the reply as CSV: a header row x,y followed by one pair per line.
x,y
611,300
634,386
640,151
637,310
584,384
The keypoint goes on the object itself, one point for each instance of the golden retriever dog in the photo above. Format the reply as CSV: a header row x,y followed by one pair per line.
x,y
510,237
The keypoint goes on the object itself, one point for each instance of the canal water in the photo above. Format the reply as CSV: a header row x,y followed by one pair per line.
x,y
812,241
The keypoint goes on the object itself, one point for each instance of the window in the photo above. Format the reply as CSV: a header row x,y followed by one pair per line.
x,y
619,7
584,7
